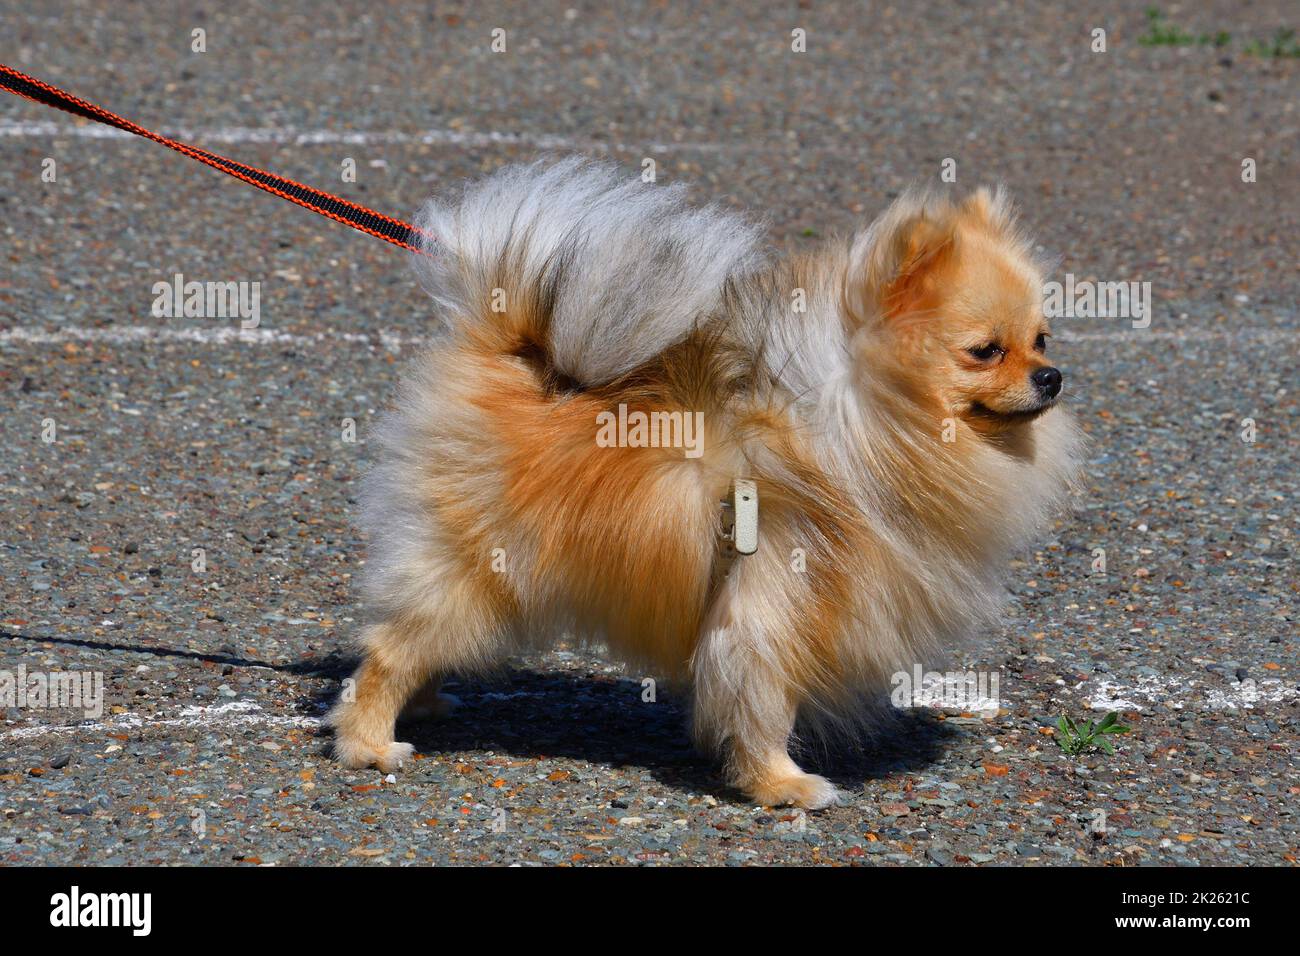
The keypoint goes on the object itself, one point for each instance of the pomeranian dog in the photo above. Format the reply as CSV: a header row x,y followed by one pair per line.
x,y
888,397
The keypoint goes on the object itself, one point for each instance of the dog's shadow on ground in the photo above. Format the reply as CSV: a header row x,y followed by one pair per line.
x,y
531,713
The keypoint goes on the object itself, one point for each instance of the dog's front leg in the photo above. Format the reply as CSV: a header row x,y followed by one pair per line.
x,y
746,698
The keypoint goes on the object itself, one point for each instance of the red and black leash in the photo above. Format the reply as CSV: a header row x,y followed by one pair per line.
x,y
340,210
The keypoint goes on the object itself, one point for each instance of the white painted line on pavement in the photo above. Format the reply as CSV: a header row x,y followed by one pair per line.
x,y
223,335
235,714
215,335
1176,693
41,129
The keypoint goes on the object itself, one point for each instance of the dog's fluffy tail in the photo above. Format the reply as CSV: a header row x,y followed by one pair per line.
x,y
579,263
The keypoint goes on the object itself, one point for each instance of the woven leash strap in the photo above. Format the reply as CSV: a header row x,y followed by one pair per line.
x,y
340,210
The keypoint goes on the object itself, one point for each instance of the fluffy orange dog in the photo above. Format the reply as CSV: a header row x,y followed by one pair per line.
x,y
889,397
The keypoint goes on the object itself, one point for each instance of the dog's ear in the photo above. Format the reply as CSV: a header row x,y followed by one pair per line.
x,y
991,209
893,261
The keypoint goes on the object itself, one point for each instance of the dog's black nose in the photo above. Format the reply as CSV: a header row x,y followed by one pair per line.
x,y
1048,381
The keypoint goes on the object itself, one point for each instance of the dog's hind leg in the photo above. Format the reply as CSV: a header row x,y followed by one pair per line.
x,y
407,655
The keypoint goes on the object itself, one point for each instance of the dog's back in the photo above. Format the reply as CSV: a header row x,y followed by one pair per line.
x,y
568,291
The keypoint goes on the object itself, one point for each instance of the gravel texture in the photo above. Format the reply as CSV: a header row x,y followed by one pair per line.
x,y
173,435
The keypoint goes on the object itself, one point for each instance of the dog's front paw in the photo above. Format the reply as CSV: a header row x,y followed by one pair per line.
x,y
805,790
358,755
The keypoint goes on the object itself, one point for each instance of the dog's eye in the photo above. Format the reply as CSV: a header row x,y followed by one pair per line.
x,y
987,352
1040,343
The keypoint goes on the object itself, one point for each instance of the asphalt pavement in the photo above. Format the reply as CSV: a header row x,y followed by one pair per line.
x,y
176,497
